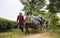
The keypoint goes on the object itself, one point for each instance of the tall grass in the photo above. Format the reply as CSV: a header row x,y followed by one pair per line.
x,y
11,34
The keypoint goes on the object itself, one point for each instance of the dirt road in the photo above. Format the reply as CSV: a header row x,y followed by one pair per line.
x,y
39,35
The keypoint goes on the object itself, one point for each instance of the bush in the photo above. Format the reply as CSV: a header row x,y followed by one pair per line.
x,y
6,24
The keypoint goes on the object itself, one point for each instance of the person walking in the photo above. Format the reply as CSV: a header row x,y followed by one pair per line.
x,y
20,21
28,21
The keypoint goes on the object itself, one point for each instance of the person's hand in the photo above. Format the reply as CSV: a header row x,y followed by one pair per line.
x,y
17,22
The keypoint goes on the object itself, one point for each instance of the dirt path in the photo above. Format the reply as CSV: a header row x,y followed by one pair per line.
x,y
39,35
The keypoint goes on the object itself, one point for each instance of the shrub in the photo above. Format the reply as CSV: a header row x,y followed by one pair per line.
x,y
6,24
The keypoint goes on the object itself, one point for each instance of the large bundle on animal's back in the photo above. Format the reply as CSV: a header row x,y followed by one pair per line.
x,y
36,21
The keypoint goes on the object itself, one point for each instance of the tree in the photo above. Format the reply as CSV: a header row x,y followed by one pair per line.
x,y
54,6
33,5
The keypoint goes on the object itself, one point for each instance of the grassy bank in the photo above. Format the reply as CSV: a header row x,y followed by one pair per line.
x,y
55,34
11,34
16,33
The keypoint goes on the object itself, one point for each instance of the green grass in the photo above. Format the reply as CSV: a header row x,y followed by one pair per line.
x,y
11,34
55,34
15,33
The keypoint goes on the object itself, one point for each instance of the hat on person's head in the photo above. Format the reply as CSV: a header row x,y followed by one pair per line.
x,y
20,13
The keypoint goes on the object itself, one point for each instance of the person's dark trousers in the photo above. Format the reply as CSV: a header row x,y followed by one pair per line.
x,y
27,26
21,26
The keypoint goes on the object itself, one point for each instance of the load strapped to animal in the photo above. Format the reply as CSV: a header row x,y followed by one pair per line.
x,y
42,24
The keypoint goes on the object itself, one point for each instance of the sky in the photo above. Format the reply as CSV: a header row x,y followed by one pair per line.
x,y
10,9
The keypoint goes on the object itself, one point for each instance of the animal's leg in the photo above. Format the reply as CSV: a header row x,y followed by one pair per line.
x,y
41,28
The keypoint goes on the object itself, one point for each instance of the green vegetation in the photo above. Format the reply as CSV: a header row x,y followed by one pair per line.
x,y
6,24
55,34
13,33
34,5
54,6
10,32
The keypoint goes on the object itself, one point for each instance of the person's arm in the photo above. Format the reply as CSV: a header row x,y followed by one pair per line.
x,y
17,19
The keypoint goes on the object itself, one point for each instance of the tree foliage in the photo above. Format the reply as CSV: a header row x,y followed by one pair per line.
x,y
36,5
33,5
54,6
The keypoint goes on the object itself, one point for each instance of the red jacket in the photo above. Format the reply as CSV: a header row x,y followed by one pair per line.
x,y
20,18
